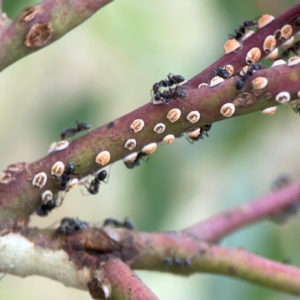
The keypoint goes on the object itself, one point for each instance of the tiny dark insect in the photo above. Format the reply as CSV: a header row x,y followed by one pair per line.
x,y
179,94
45,208
168,261
203,131
241,82
81,126
293,49
288,210
94,186
141,156
48,203
221,72
128,224
70,226
64,179
181,262
282,181
111,125
240,32
156,94
172,79
167,95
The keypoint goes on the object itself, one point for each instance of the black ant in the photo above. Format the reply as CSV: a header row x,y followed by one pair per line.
x,y
172,79
70,226
48,204
294,49
206,128
178,94
282,181
221,72
95,184
65,177
286,212
81,126
203,131
241,82
46,208
163,97
136,162
181,262
289,209
175,79
240,32
128,224
166,96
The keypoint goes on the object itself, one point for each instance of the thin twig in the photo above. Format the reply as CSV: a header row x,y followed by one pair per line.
x,y
125,284
220,225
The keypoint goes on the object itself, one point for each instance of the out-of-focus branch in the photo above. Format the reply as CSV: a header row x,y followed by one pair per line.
x,y
210,258
220,225
91,260
40,25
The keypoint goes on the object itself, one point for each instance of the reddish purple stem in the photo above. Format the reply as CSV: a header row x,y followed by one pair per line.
x,y
126,285
215,228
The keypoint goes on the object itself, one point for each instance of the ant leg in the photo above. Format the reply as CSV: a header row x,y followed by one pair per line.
x,y
103,178
150,104
189,140
296,107
60,199
146,158
178,96
205,133
112,222
86,185
186,103
108,174
129,224
151,95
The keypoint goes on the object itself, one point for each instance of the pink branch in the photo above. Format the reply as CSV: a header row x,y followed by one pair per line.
x,y
208,258
175,252
40,25
215,228
125,283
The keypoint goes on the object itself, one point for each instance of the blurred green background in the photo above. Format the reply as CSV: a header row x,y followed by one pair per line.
x,y
104,69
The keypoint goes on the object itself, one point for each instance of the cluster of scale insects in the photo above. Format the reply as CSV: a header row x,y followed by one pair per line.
x,y
162,92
